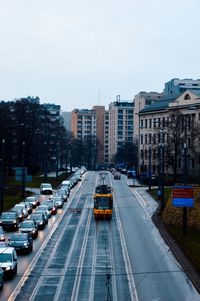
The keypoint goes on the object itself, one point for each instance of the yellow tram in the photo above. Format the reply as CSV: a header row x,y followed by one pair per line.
x,y
103,202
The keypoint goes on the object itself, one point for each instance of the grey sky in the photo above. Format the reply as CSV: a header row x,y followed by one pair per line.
x,y
74,53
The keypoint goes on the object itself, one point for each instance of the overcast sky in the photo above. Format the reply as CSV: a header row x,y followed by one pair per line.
x,y
80,53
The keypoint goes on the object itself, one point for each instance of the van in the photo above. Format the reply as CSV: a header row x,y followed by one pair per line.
x,y
46,188
8,261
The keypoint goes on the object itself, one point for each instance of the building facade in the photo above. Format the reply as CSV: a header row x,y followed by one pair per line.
x,y
121,115
169,135
177,86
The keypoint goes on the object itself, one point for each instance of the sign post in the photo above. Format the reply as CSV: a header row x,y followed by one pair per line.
x,y
183,196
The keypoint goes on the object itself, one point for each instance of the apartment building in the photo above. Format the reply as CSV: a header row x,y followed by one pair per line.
x,y
121,115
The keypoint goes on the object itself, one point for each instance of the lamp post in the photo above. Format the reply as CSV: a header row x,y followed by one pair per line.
x,y
2,177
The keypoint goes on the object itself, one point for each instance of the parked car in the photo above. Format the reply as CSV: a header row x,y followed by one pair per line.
x,y
8,261
33,200
29,226
40,220
59,201
9,220
46,188
22,242
2,234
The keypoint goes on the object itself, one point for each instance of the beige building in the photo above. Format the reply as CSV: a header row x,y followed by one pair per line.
x,y
157,128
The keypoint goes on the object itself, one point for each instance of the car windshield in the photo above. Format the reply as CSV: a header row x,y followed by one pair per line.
x,y
30,199
61,192
8,215
19,237
46,186
37,216
29,224
4,257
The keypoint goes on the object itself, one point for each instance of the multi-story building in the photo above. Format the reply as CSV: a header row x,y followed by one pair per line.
x,y
83,127
170,126
120,126
100,130
67,120
142,100
177,86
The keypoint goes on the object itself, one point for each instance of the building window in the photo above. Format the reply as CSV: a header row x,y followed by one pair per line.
x,y
141,139
187,96
145,123
150,123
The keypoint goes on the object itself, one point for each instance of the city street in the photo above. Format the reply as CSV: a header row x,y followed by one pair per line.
x,y
78,258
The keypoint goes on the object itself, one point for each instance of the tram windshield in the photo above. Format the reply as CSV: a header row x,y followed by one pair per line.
x,y
102,203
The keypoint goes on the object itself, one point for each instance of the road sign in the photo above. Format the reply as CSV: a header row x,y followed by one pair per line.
x,y
183,196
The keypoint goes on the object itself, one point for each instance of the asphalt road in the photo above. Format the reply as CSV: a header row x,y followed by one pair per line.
x,y
78,258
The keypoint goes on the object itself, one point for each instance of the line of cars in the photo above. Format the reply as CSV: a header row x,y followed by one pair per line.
x,y
25,219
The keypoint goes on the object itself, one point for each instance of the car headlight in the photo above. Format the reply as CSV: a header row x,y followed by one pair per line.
x,y
33,231
26,244
8,268
14,222
41,223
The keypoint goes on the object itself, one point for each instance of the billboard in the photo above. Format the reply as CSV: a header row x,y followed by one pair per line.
x,y
183,196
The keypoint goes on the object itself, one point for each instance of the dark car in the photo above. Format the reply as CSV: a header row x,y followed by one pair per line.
x,y
45,213
22,242
52,207
63,193
9,220
29,226
40,220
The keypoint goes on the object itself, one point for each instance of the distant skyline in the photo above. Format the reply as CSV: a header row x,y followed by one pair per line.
x,y
84,53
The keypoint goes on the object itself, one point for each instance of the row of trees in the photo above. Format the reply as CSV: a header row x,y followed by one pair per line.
x,y
31,135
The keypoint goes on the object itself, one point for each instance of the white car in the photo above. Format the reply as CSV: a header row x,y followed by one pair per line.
x,y
8,261
46,188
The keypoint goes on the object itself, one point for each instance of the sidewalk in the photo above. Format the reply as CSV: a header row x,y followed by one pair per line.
x,y
173,245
